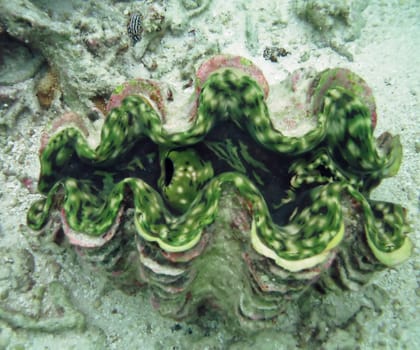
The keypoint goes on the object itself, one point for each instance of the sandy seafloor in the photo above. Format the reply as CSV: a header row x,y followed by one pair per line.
x,y
386,53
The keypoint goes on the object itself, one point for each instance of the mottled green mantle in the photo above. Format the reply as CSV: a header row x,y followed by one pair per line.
x,y
300,229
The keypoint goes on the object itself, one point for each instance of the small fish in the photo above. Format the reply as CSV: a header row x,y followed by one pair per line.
x,y
135,27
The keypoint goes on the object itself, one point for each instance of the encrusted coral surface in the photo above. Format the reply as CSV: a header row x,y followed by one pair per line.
x,y
293,204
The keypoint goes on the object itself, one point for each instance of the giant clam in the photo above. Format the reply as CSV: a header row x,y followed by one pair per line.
x,y
261,197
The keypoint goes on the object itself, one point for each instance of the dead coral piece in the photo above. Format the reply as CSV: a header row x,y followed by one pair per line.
x,y
16,271
55,314
154,21
49,309
15,100
324,15
335,22
195,7
47,88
